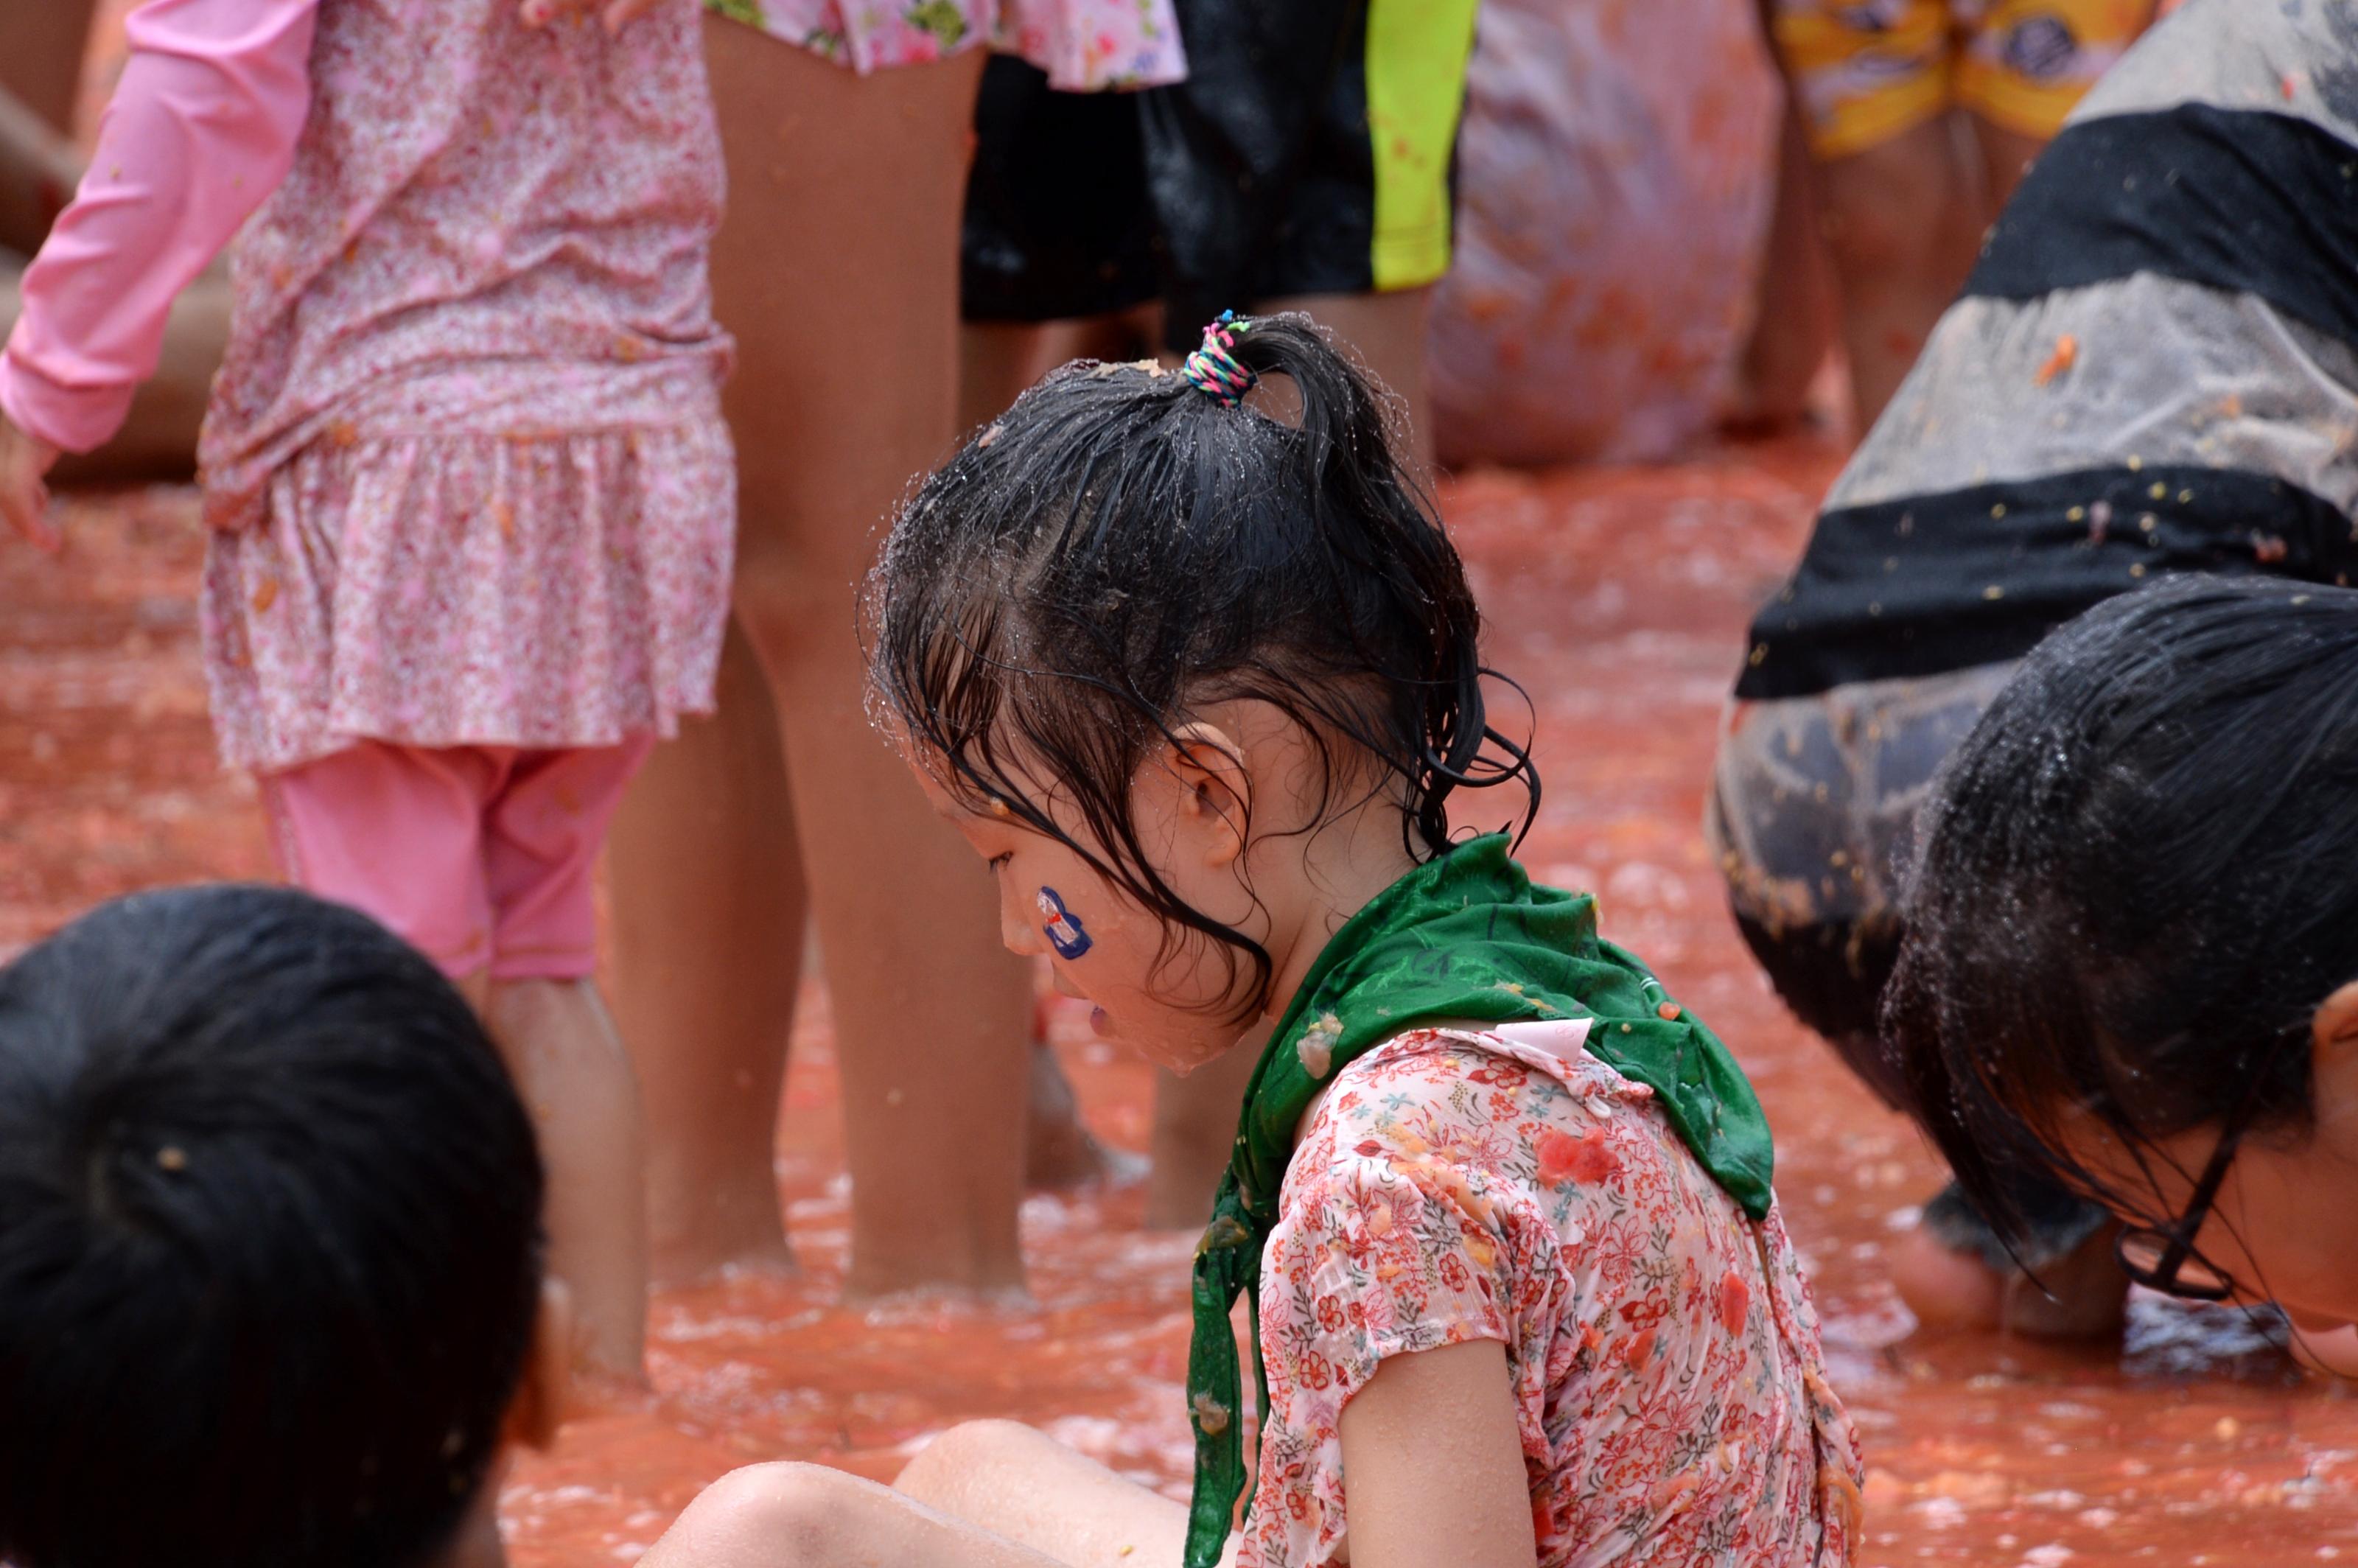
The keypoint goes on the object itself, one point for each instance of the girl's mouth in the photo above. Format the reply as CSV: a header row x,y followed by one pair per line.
x,y
1099,1024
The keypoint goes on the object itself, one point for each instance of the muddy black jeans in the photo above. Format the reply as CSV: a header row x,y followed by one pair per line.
x,y
1812,817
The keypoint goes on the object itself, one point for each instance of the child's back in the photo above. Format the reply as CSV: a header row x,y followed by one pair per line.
x,y
465,456
269,1242
488,230
474,368
473,499
1503,1184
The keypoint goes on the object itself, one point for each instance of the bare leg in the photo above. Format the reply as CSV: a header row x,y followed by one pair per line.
x,y
39,172
1025,1487
2329,1353
1949,1291
1902,222
989,1495
837,270
571,1068
41,46
1793,323
708,926
807,1516
1387,331
998,360
2005,156
1194,1132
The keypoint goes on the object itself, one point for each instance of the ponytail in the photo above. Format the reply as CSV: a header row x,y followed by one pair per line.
x,y
1127,546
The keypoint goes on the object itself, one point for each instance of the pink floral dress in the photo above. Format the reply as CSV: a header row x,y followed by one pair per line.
x,y
466,449
1083,44
465,456
1458,1185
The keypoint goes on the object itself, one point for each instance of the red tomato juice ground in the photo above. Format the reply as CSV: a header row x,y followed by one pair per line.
x,y
1618,597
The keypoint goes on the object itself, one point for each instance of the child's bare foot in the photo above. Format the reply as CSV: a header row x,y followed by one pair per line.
x,y
1060,1153
2328,1352
744,1237
1951,1289
594,1388
1947,1290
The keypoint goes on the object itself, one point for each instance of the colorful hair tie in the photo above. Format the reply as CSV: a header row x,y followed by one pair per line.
x,y
1213,370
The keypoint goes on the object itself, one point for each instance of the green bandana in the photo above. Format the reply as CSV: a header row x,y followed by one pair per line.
x,y
1468,937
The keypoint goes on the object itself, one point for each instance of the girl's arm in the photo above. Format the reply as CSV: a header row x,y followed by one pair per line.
x,y
1434,1464
201,128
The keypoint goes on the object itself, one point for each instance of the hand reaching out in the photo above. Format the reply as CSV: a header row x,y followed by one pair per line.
x,y
25,463
615,14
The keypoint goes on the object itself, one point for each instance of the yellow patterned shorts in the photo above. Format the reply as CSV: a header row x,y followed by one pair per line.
x,y
1866,71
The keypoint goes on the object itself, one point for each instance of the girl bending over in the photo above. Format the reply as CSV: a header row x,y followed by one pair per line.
x,y
1197,685
2132,954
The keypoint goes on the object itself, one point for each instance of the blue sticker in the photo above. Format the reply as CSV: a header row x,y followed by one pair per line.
x,y
1064,926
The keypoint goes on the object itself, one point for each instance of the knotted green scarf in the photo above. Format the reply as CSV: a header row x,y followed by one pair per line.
x,y
1467,936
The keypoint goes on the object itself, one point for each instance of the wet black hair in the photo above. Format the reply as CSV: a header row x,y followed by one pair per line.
x,y
2138,881
270,1247
1120,551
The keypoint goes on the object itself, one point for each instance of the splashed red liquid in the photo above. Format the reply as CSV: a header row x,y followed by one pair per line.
x,y
1617,597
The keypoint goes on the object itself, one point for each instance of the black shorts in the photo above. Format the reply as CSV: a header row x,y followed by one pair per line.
x,y
1306,153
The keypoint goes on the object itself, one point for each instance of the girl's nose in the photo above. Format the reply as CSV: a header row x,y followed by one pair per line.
x,y
1019,925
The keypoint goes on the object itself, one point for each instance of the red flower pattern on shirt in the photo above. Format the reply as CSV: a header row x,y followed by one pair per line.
x,y
1670,1388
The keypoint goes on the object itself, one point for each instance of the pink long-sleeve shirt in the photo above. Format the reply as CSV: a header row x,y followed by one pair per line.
x,y
201,128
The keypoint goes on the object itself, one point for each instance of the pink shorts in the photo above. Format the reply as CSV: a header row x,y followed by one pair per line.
x,y
480,857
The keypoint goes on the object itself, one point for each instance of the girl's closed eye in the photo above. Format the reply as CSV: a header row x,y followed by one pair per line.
x,y
997,862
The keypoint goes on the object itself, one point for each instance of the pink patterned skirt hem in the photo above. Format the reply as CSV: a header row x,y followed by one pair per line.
x,y
447,590
1085,46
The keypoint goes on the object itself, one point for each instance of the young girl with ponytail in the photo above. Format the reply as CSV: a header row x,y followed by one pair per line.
x,y
1200,685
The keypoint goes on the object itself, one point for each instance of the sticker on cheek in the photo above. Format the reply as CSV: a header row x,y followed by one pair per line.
x,y
1063,928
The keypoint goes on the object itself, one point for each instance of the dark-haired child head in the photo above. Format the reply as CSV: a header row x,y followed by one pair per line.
x,y
270,1278
2132,951
1173,665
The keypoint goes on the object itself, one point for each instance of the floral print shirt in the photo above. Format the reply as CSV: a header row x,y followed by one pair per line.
x,y
1501,1184
1083,44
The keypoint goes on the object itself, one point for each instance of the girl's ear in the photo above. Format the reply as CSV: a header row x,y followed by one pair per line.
x,y
1215,788
2333,1063
2333,1032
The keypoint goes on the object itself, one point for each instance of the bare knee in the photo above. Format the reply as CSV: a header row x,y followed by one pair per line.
x,y
558,1039
952,1466
796,608
1879,228
477,989
563,1015
767,1514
